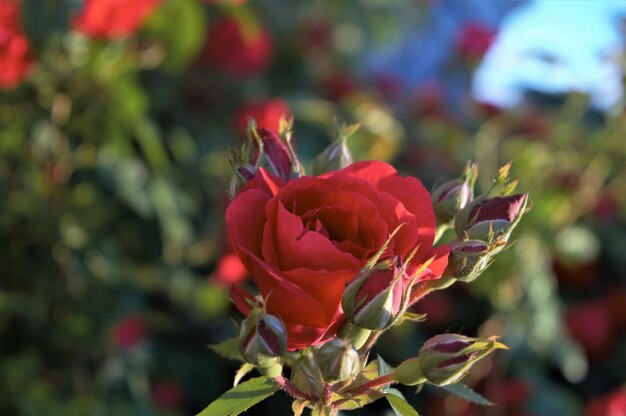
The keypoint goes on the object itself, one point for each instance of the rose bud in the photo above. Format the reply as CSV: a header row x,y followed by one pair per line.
x,y
467,260
337,155
270,149
338,360
263,340
374,299
452,196
306,376
444,359
491,220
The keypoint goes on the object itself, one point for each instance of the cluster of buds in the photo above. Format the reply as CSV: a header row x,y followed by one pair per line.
x,y
332,373
482,225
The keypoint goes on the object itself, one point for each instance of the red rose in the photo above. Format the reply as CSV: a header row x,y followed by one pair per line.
x,y
112,19
238,49
303,240
15,60
590,324
230,270
266,113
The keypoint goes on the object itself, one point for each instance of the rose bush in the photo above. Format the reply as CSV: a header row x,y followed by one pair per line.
x,y
303,240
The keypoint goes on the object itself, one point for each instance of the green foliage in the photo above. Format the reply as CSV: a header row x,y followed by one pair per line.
x,y
399,404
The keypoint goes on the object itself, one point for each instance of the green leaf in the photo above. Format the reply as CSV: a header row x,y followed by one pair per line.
x,y
243,370
399,405
383,367
228,349
461,390
241,398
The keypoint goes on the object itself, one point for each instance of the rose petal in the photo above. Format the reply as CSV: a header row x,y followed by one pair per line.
x,y
302,336
325,286
372,171
297,247
265,181
283,297
436,267
395,213
340,223
242,299
245,225
416,200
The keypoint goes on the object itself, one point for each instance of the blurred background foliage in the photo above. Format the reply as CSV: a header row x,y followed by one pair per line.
x,y
115,119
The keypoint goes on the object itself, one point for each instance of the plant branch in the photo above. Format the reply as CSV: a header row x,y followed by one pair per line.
x,y
377,382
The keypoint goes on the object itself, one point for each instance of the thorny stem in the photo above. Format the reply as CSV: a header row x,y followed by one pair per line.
x,y
293,390
377,382
326,396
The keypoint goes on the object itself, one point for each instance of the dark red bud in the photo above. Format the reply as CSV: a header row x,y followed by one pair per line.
x,y
276,153
461,359
503,208
452,347
272,342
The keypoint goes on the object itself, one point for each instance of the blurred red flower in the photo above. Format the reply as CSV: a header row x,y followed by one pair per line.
x,y
239,48
510,394
590,324
473,40
129,331
338,85
15,59
112,19
267,114
230,270
613,404
166,394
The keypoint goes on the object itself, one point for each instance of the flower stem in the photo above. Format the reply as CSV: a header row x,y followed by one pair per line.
x,y
292,390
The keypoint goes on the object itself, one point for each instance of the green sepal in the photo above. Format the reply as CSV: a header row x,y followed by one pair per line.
x,y
229,349
464,392
243,370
